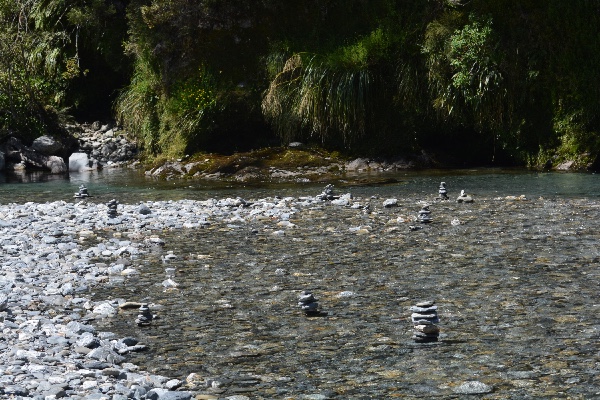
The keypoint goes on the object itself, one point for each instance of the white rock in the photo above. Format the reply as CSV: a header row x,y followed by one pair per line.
x,y
79,162
104,309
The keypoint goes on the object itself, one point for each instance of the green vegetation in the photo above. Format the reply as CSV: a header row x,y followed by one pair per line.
x,y
46,51
483,81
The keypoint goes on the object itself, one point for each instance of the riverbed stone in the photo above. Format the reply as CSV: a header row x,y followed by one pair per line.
x,y
389,203
47,145
473,387
79,162
232,310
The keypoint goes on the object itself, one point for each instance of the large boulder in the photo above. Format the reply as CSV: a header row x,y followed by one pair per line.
x,y
56,165
360,164
47,145
21,153
79,162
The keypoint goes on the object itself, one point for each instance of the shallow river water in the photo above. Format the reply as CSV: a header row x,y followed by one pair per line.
x,y
516,284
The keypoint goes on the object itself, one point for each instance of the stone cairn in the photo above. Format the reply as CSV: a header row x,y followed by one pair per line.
x,y
424,318
144,317
464,198
82,193
424,215
443,192
112,208
308,303
327,193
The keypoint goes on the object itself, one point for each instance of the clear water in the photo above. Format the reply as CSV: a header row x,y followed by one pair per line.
x,y
130,186
516,285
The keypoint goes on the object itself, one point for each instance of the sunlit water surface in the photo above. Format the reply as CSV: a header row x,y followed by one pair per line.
x,y
516,284
133,186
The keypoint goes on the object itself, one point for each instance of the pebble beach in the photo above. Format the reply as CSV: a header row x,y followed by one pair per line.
x,y
513,279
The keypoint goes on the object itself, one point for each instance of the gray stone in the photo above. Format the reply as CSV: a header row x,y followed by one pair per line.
x,y
389,203
104,354
359,164
47,145
427,303
473,387
79,162
424,310
164,394
88,340
3,301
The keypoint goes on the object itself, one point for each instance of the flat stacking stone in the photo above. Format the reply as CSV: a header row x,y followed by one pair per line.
x,y
418,318
443,192
424,318
308,303
424,215
144,317
425,337
427,328
424,304
424,310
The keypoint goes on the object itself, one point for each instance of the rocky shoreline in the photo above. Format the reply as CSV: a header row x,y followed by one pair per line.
x,y
53,255
51,259
57,341
94,146
85,147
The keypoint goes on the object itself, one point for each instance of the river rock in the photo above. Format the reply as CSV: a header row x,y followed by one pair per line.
x,y
3,301
104,310
47,145
389,203
144,209
359,164
464,198
23,154
79,162
473,387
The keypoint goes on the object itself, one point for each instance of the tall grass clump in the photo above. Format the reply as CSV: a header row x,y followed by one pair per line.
x,y
137,106
187,116
167,120
325,96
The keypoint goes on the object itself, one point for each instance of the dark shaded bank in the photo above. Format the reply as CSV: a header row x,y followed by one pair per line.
x,y
297,163
97,145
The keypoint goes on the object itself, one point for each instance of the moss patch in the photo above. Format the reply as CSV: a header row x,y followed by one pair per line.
x,y
263,159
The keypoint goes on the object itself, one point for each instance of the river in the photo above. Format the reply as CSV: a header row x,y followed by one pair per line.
x,y
133,186
515,282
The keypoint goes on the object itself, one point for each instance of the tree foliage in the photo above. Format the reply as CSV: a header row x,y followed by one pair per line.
x,y
513,80
43,49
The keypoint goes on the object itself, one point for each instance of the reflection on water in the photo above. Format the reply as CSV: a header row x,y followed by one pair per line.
x,y
132,186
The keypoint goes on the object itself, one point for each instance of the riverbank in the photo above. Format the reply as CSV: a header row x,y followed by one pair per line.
x,y
55,256
295,163
513,279
95,146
